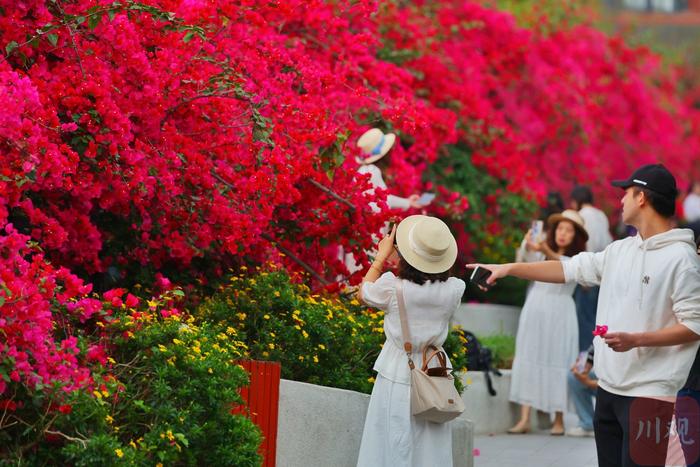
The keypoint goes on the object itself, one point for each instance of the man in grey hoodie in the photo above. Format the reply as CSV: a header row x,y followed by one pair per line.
x,y
648,318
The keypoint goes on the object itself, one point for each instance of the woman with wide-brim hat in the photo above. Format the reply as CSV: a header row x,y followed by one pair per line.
x,y
547,341
427,250
375,145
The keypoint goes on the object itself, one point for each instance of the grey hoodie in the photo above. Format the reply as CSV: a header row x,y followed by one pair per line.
x,y
645,285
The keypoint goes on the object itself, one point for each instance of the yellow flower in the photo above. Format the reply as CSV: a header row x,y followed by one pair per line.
x,y
177,342
210,370
241,316
321,346
109,419
265,354
277,294
271,346
132,444
370,379
119,453
315,359
305,334
297,327
266,316
162,348
301,358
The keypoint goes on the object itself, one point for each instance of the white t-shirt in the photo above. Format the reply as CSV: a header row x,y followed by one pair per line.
x,y
691,207
597,227
376,179
429,308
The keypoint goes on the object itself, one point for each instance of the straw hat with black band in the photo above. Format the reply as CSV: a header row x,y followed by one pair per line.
x,y
426,243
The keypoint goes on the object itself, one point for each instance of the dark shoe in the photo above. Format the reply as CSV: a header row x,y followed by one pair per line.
x,y
518,431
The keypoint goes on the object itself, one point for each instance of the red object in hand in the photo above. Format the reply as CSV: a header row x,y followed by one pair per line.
x,y
600,330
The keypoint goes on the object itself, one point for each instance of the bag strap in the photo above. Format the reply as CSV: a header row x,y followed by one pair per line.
x,y
408,348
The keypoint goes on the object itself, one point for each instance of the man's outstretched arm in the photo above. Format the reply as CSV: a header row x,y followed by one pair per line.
x,y
543,271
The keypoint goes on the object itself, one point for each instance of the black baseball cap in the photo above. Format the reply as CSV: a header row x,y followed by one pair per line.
x,y
654,177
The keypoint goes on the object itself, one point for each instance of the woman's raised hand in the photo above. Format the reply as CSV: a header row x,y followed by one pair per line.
x,y
386,245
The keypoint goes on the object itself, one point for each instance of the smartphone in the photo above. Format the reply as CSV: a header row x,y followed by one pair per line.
x,y
479,276
537,228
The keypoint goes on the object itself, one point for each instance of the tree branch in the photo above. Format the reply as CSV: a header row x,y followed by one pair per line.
x,y
296,259
331,193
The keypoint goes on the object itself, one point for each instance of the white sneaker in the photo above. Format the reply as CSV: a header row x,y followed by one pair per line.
x,y
579,432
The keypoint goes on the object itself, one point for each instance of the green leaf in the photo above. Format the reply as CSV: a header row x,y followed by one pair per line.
x,y
10,47
80,20
2,301
188,37
94,21
52,38
111,14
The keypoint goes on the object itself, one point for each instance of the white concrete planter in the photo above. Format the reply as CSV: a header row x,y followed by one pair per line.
x,y
485,319
322,427
490,414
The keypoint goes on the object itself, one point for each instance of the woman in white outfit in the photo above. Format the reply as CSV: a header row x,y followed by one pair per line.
x,y
375,145
547,340
427,250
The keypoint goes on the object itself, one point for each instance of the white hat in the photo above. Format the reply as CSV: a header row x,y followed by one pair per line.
x,y
426,243
375,144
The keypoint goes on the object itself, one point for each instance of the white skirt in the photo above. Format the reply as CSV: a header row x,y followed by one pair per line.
x,y
546,348
394,438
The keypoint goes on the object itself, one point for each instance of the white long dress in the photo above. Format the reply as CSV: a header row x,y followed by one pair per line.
x,y
392,437
546,345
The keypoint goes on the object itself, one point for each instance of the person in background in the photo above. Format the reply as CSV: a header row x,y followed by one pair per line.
x,y
375,145
691,203
555,205
583,384
546,342
392,437
586,298
599,238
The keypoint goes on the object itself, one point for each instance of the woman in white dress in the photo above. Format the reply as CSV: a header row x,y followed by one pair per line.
x,y
427,250
547,340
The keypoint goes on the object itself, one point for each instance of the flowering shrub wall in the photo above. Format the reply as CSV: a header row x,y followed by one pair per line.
x,y
165,136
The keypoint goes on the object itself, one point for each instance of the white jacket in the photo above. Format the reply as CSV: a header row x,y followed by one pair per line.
x,y
645,285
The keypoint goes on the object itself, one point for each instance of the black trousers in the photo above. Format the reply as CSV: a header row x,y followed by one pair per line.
x,y
631,431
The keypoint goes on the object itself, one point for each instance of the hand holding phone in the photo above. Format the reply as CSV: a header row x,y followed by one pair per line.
x,y
537,229
479,276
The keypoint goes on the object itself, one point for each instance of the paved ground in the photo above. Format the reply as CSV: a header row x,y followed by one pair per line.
x,y
539,449
534,449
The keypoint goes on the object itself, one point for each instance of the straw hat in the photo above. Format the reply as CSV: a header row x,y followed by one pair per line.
x,y
574,217
375,144
426,243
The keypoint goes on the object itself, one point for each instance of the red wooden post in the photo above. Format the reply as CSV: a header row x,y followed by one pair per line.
x,y
262,400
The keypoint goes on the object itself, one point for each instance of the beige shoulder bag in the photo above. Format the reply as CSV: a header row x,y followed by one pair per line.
x,y
433,394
